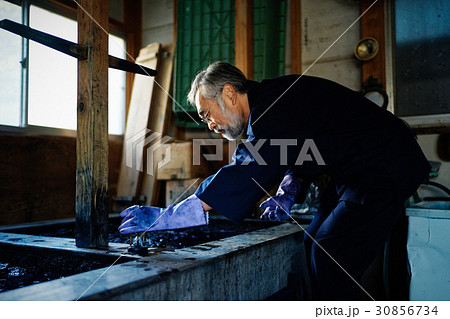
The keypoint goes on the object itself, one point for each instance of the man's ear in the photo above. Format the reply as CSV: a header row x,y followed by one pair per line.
x,y
230,93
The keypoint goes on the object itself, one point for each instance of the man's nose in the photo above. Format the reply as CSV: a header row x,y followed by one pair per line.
x,y
211,126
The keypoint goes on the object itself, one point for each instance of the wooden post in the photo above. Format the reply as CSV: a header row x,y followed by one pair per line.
x,y
372,25
244,37
296,37
92,196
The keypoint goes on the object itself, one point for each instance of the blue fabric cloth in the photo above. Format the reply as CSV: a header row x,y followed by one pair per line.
x,y
354,136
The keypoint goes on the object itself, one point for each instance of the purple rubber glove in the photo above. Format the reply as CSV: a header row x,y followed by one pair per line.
x,y
187,213
276,208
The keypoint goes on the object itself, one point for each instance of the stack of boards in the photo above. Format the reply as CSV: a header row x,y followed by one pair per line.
x,y
147,126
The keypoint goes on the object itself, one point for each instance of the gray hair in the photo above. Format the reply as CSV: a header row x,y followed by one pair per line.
x,y
210,81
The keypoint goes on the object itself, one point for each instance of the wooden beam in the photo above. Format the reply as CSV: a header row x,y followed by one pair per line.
x,y
244,37
92,196
372,25
133,20
179,133
129,76
296,37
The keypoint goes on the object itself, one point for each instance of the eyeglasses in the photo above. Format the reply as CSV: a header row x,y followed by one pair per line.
x,y
205,118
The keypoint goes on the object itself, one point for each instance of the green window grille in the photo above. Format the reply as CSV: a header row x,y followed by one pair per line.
x,y
205,34
269,34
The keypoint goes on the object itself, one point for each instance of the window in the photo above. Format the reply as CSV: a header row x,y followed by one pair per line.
x,y
116,88
50,98
52,79
10,68
421,44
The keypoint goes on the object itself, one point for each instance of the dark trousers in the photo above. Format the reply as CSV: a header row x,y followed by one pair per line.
x,y
347,233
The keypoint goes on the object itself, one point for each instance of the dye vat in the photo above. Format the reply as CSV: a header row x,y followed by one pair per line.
x,y
217,228
222,261
22,266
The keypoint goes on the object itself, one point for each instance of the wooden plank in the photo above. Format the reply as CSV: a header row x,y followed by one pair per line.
x,y
372,25
92,127
58,244
137,123
159,119
244,36
132,13
296,37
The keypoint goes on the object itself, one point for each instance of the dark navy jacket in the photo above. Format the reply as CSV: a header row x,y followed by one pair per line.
x,y
355,139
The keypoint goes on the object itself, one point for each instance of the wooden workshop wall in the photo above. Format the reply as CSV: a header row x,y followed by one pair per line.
x,y
323,23
37,175
157,21
37,172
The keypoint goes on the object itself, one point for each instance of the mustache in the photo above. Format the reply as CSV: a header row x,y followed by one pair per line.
x,y
217,129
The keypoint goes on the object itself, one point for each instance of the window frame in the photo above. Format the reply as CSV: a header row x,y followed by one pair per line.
x,y
427,123
68,10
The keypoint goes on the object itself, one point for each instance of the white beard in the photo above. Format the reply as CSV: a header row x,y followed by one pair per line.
x,y
236,125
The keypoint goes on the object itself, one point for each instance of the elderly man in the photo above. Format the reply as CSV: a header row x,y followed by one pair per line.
x,y
298,128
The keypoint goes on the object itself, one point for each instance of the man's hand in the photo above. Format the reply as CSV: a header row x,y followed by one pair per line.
x,y
277,208
187,213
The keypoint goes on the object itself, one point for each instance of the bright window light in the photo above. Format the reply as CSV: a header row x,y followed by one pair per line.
x,y
52,90
53,77
10,67
116,88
